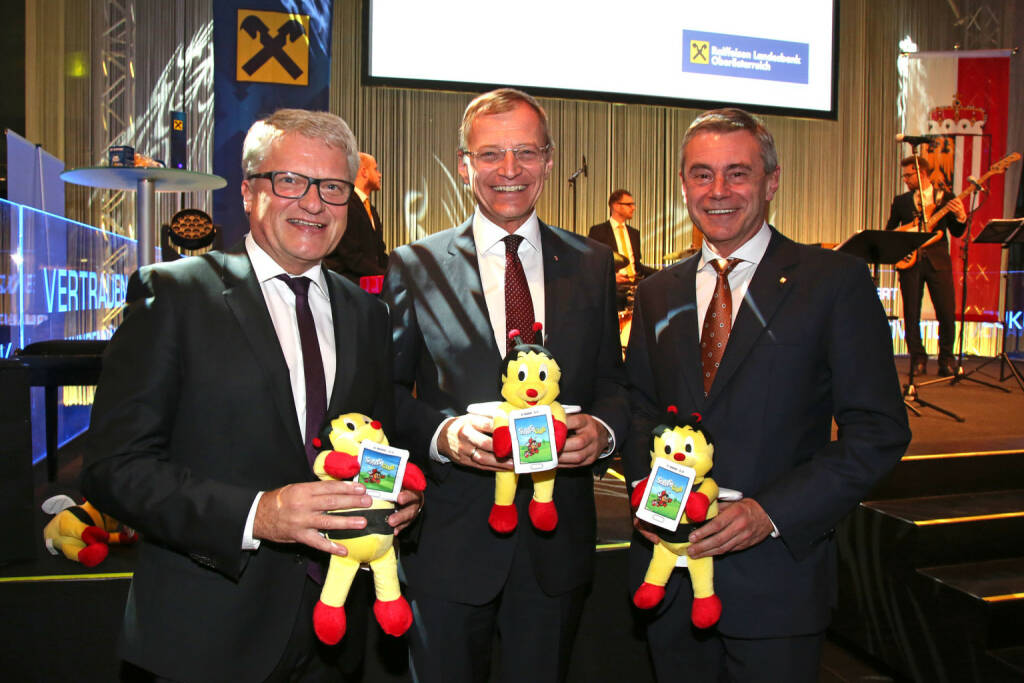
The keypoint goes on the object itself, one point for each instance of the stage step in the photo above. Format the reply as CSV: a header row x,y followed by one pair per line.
x,y
914,577
949,473
931,530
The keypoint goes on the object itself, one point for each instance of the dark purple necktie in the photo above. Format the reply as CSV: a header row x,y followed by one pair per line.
x,y
312,362
518,304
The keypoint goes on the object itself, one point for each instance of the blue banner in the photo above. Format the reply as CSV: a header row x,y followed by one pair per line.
x,y
722,54
267,54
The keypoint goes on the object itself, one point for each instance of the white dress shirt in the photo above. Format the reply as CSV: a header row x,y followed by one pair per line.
x,y
490,254
750,255
280,300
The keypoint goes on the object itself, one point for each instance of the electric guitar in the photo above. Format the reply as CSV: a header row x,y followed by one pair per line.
x,y
911,258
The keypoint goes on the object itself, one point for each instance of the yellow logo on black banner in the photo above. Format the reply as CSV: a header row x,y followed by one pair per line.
x,y
273,47
700,51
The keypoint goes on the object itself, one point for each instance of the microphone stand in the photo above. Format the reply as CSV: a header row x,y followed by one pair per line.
x,y
572,184
959,375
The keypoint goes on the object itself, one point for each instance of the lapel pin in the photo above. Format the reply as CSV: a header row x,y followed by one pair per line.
x,y
782,280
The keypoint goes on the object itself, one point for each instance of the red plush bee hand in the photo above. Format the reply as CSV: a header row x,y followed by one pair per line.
x,y
561,431
341,465
414,479
697,507
502,439
638,493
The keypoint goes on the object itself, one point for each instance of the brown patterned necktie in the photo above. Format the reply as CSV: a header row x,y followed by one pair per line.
x,y
714,334
518,304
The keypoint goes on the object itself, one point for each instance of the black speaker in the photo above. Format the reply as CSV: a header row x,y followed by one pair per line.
x,y
179,138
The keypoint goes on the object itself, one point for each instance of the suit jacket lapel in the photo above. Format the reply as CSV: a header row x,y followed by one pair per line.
x,y
560,263
463,272
681,318
346,332
244,298
769,287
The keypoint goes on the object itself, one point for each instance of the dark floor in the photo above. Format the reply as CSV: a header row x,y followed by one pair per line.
x,y
992,422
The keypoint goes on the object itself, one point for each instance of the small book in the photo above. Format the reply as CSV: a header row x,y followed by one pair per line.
x,y
533,439
381,469
666,492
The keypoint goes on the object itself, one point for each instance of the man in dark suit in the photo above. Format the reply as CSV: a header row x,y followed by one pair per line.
x,y
621,207
623,239
809,342
932,266
361,250
448,296
205,416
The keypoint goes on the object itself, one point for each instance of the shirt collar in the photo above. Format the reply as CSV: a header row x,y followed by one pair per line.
x,y
266,268
362,195
751,251
486,234
615,224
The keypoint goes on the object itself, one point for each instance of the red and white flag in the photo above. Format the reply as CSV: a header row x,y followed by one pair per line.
x,y
964,96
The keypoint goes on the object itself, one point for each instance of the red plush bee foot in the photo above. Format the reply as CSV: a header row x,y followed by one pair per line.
x,y
503,518
92,554
94,534
328,622
394,616
706,611
543,515
648,595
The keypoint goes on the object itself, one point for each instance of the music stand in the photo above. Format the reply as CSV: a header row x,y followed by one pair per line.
x,y
1004,231
882,246
890,246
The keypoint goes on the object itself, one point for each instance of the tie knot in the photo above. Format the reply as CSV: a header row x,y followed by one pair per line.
x,y
299,285
724,266
512,243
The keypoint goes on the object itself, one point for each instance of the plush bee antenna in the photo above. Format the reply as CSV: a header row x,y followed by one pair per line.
x,y
516,336
538,335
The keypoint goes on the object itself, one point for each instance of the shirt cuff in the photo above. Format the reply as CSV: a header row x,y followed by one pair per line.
x,y
248,542
611,438
434,453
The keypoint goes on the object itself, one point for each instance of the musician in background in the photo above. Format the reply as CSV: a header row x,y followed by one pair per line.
x,y
625,241
932,266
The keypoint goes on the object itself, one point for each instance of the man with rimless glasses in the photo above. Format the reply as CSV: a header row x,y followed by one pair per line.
x,y
213,389
454,296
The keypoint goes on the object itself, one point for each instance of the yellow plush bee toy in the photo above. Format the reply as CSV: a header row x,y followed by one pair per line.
x,y
373,545
529,377
81,532
687,443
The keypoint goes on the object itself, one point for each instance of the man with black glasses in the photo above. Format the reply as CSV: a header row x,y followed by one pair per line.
x,y
454,297
212,393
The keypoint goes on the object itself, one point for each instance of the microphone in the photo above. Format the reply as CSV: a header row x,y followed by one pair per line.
x,y
582,169
974,181
915,139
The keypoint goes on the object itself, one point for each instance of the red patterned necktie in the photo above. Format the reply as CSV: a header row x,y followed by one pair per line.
x,y
312,362
518,304
714,334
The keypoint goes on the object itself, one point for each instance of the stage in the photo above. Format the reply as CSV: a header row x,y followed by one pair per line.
x,y
60,620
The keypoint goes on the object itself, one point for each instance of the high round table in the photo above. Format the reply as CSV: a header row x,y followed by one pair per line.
x,y
146,182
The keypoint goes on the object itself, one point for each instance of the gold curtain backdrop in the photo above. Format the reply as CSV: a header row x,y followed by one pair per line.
x,y
837,176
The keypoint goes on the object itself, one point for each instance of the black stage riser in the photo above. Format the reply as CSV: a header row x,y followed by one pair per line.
x,y
942,476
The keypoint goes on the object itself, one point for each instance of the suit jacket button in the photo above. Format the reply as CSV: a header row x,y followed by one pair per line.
x,y
299,559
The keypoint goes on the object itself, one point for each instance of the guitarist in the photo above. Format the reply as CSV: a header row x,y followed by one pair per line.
x,y
932,266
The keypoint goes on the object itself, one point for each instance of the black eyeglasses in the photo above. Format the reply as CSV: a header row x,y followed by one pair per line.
x,y
289,185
